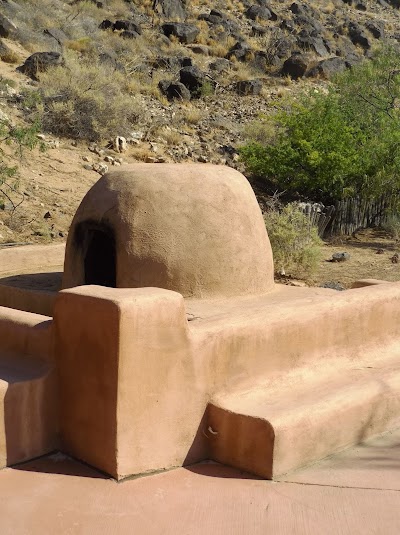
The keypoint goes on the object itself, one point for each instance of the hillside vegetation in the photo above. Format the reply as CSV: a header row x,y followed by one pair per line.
x,y
180,81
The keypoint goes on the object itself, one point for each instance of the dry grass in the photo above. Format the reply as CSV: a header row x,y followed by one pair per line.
x,y
82,101
10,57
142,153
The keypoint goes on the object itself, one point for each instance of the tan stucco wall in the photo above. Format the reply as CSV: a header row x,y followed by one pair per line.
x,y
163,371
21,263
28,387
195,229
31,258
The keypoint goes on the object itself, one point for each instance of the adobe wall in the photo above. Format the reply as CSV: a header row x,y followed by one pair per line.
x,y
28,387
31,258
150,373
24,263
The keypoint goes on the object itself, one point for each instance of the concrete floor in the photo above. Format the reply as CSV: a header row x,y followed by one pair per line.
x,y
355,492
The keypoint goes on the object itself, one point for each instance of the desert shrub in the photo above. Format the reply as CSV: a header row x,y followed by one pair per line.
x,y
333,144
83,101
20,138
295,243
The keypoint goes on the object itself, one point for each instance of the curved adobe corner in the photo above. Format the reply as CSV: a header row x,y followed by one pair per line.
x,y
195,229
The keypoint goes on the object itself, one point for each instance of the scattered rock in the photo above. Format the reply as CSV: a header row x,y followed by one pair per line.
x,y
296,66
100,168
328,67
248,87
119,144
257,12
395,258
185,33
171,9
47,215
192,78
41,62
174,90
340,257
7,28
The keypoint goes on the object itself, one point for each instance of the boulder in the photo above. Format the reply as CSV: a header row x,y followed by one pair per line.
x,y
220,65
185,33
127,26
192,78
41,62
258,13
7,28
328,67
358,35
296,66
240,51
171,9
174,90
248,87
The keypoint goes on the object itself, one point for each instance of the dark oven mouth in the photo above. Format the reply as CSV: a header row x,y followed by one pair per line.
x,y
96,243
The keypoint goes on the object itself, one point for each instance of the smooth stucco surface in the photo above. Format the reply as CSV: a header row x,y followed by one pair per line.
x,y
195,229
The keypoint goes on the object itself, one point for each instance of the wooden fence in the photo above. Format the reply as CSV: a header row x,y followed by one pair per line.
x,y
356,213
349,215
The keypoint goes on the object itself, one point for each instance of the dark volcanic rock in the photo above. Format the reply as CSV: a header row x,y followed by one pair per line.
x,y
186,33
192,78
174,90
358,35
220,65
127,26
248,87
41,62
7,28
296,66
328,67
258,12
171,9
240,51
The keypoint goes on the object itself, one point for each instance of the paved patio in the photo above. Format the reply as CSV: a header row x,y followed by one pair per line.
x,y
355,492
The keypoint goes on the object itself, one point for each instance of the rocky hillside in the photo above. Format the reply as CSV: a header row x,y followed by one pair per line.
x,y
114,81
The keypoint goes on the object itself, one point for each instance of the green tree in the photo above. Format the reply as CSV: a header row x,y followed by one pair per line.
x,y
22,138
333,144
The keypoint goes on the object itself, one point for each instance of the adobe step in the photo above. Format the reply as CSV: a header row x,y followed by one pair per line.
x,y
280,426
